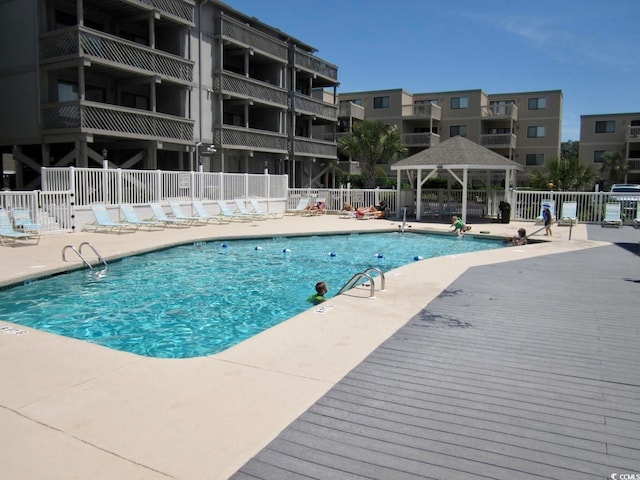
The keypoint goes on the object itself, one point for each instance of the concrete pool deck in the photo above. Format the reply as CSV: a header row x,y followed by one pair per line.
x,y
71,409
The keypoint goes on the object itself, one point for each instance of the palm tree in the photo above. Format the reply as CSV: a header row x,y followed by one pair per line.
x,y
614,167
370,143
566,175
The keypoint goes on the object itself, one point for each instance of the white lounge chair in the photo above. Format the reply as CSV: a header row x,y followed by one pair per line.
x,y
318,208
160,216
9,236
104,223
131,217
612,215
258,209
226,212
302,204
552,208
569,215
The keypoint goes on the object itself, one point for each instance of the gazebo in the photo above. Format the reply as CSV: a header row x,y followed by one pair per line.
x,y
455,155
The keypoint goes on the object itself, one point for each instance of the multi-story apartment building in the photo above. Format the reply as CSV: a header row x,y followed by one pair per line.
x,y
613,132
524,127
168,84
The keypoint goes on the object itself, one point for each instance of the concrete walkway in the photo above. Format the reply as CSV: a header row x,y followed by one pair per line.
x,y
507,364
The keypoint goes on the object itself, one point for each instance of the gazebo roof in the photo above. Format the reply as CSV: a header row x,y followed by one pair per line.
x,y
456,153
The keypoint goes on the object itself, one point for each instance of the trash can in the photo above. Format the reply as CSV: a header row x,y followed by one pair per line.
x,y
505,212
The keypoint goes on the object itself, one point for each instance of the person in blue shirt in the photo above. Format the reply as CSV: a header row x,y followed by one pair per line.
x,y
318,297
547,218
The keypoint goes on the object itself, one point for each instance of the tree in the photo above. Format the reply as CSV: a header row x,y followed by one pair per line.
x,y
370,143
614,167
567,174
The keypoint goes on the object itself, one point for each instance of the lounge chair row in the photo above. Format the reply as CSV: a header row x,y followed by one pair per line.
x,y
131,222
612,214
307,208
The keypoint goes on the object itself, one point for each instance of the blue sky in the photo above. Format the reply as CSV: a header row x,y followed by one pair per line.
x,y
588,49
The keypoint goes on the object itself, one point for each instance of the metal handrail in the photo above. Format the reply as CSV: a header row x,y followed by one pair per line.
x,y
379,272
94,251
64,258
352,283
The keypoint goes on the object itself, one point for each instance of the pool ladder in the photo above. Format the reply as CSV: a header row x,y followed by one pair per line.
x,y
78,252
366,275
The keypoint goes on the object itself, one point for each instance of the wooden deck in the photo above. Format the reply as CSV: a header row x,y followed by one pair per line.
x,y
519,370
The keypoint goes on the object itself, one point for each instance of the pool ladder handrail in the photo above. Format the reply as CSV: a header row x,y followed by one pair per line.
x,y
78,252
366,275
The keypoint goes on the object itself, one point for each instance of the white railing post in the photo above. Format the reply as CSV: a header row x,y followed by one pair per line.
x,y
119,186
158,186
246,186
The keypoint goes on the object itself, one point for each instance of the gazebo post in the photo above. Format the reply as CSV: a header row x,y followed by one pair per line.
x,y
465,178
418,194
398,192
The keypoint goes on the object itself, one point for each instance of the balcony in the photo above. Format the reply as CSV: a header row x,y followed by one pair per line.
x,y
174,11
316,66
116,121
310,106
500,112
423,111
634,165
245,36
498,140
351,110
633,134
239,86
420,139
310,147
239,138
180,10
82,42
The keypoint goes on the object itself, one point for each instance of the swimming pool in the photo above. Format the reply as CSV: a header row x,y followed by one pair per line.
x,y
202,298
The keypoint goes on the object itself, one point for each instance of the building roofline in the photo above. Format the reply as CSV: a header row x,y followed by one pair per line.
x,y
593,115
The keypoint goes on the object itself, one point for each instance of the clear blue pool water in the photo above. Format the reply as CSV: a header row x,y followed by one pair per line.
x,y
203,298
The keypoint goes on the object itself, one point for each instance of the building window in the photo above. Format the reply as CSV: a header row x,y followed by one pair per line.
x,y
355,101
535,159
606,126
597,156
459,102
537,103
380,102
135,101
536,132
455,130
67,91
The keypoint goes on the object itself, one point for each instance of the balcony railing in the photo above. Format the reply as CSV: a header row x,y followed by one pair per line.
x,y
634,165
246,36
426,111
420,139
114,120
633,134
240,138
239,86
498,140
177,9
311,106
84,42
315,65
500,112
351,110
310,147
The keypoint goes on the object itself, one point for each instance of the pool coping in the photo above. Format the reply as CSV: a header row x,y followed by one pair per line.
x,y
202,417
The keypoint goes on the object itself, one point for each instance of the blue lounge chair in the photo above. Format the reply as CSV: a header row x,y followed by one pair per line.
x,y
612,215
229,214
258,209
131,217
241,208
160,216
103,222
23,222
302,204
202,214
9,236
178,213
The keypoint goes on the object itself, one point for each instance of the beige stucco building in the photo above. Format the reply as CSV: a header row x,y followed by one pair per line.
x,y
612,132
524,126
